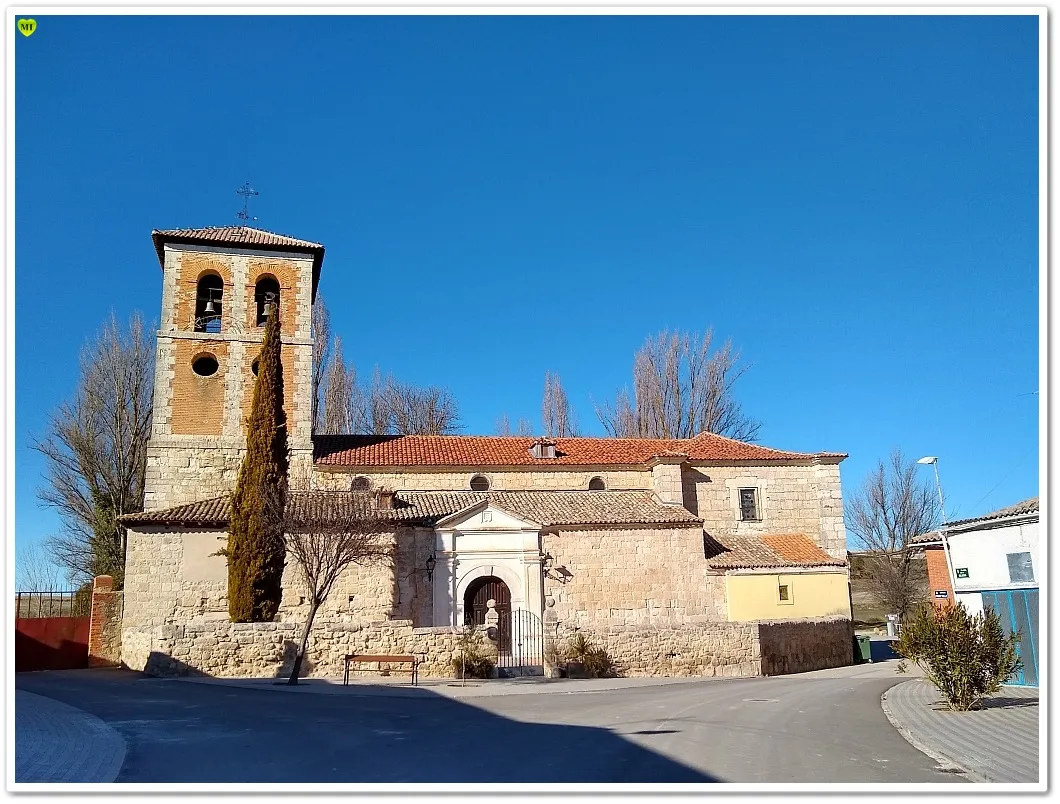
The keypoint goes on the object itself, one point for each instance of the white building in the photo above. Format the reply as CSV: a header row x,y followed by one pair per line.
x,y
993,561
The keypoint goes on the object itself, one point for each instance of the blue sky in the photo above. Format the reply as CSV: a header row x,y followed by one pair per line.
x,y
852,200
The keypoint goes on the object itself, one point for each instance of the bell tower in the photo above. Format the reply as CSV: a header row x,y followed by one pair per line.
x,y
217,287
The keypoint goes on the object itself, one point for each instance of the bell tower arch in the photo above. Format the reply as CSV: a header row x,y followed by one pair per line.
x,y
217,285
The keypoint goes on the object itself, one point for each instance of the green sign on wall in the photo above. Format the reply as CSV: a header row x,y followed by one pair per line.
x,y
962,572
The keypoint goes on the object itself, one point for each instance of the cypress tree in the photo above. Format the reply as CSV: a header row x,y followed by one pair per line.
x,y
255,540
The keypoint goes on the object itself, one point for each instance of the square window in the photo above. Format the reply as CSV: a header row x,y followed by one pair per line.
x,y
1020,568
748,504
784,593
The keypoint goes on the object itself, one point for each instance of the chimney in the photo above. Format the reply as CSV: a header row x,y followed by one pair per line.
x,y
543,448
384,499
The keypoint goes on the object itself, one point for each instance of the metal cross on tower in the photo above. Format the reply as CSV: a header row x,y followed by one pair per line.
x,y
246,191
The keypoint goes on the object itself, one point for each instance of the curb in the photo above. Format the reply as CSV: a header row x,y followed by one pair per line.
x,y
946,763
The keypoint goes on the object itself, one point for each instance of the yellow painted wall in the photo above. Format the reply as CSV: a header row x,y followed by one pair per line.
x,y
816,594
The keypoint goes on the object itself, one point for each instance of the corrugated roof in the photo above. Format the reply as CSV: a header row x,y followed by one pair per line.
x,y
769,550
549,508
484,451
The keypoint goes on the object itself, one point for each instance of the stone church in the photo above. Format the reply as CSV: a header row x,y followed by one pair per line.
x,y
701,556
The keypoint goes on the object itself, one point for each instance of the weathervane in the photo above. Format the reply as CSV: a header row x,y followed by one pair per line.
x,y
246,191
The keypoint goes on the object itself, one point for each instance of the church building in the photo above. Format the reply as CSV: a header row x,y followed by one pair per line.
x,y
698,556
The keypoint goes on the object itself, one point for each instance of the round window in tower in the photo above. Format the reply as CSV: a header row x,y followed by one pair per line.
x,y
597,484
480,483
360,484
205,365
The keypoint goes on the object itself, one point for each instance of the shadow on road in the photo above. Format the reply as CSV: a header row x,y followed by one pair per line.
x,y
186,732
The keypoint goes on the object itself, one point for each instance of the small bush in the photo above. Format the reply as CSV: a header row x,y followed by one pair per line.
x,y
965,657
472,659
596,661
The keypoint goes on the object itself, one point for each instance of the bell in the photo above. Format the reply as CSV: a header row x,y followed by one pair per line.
x,y
268,309
209,306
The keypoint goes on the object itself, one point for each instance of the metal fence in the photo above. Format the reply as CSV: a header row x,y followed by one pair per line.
x,y
35,605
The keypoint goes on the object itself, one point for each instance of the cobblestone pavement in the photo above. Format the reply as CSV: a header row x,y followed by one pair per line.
x,y
58,743
815,727
998,743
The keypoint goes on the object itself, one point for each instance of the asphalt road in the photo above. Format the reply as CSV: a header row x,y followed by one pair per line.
x,y
786,729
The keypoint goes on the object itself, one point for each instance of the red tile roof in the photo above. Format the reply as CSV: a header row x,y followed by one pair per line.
x,y
239,236
770,550
483,451
549,508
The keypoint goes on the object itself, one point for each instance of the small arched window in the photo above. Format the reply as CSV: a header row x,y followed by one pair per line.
x,y
360,484
208,303
266,294
480,483
597,484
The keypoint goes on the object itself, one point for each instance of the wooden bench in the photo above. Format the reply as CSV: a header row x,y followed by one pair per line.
x,y
354,658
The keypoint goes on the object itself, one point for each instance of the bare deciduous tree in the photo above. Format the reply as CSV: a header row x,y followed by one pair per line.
x,y
325,533
885,514
34,569
383,406
556,414
524,428
96,452
420,411
342,405
503,426
321,347
681,388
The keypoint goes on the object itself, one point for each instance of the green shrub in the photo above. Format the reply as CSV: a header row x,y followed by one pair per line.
x,y
965,657
596,661
473,658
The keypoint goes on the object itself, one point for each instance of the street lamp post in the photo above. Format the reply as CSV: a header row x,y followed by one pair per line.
x,y
934,461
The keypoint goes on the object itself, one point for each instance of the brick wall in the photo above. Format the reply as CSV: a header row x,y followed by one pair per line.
x,y
189,271
198,437
938,575
105,624
198,402
288,276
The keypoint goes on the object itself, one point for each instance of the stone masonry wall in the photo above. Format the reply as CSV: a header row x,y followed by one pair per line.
x,y
798,646
639,577
172,579
268,649
535,479
710,649
792,499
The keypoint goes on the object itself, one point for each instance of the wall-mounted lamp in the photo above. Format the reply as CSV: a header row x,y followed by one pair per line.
x,y
430,567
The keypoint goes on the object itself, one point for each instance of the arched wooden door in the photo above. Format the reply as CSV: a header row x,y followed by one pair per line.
x,y
478,593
